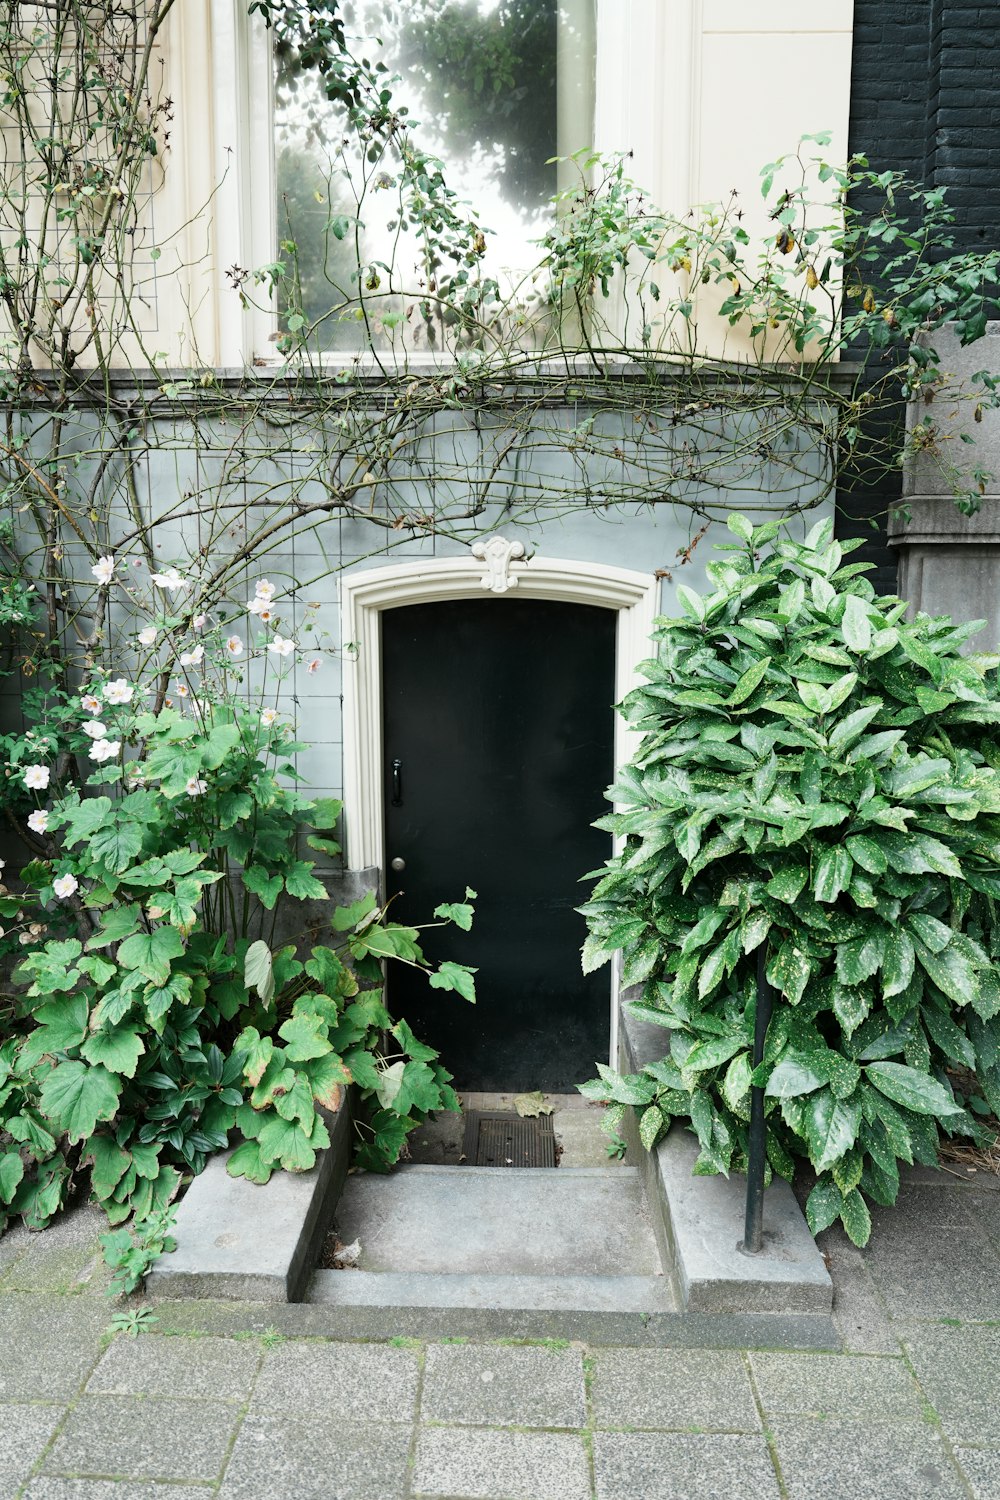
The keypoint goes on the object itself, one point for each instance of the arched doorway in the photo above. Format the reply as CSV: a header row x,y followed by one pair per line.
x,y
479,738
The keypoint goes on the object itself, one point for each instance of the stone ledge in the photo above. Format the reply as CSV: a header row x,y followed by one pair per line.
x,y
242,1241
700,1223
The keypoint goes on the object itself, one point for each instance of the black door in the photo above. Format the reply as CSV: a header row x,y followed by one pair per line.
x,y
499,712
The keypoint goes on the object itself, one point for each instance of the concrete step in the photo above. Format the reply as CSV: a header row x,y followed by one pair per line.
x,y
487,1222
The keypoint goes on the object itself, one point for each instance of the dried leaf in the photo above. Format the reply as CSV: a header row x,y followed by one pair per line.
x,y
530,1105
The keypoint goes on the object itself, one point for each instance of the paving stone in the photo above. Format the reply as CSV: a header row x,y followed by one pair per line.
x,y
47,1488
276,1458
24,1432
981,1467
843,1385
480,1464
674,1388
936,1271
959,1370
13,1244
208,1368
66,1257
143,1438
680,1466
49,1344
835,1459
361,1382
498,1385
53,1268
860,1314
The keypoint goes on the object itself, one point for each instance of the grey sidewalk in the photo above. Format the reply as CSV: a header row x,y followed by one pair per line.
x,y
906,1411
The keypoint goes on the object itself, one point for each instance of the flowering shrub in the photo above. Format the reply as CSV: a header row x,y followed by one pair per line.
x,y
154,1016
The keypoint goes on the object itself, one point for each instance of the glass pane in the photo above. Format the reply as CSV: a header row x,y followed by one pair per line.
x,y
495,89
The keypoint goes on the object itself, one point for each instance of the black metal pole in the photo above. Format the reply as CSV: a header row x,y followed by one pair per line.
x,y
753,1226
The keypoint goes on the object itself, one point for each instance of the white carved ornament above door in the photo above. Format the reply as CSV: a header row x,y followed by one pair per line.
x,y
498,552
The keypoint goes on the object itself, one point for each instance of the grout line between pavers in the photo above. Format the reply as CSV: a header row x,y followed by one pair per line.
x,y
243,1409
931,1410
589,1364
69,1408
410,1470
765,1429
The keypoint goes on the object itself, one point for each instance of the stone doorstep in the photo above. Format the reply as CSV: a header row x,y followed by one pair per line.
x,y
244,1241
699,1222
238,1242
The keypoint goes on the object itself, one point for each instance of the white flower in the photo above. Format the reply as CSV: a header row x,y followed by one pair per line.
x,y
102,750
199,622
314,666
170,580
118,691
265,590
65,886
104,570
95,729
234,645
268,716
36,778
90,703
182,690
196,787
2,863
280,646
260,607
38,821
193,657
147,637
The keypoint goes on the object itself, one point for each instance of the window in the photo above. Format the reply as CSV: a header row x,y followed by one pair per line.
x,y
703,92
494,88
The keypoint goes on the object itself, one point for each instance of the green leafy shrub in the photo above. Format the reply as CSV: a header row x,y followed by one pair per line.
x,y
156,1017
819,775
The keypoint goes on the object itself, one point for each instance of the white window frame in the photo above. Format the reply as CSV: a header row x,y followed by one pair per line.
x,y
648,99
636,103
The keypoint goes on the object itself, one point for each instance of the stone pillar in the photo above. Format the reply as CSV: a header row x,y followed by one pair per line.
x,y
949,564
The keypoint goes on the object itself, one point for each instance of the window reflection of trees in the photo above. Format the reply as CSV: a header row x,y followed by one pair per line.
x,y
481,78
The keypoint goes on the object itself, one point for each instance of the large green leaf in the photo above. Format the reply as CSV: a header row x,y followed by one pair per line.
x,y
831,873
108,1163
62,1027
824,1205
11,1172
248,1161
285,1142
831,1125
856,1218
74,1096
793,1077
855,627
305,1037
917,1091
458,977
952,972
151,953
897,962
116,844
118,1048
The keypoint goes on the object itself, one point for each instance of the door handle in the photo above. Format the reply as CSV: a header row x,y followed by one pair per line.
x,y
397,783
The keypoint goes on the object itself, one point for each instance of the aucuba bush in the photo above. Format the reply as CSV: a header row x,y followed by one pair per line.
x,y
156,1020
820,775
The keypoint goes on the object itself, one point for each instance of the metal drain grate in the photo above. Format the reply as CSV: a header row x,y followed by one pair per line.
x,y
496,1139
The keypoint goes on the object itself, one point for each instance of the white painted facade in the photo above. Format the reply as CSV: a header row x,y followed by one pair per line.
x,y
703,92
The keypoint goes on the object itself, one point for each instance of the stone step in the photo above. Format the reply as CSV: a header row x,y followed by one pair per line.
x,y
490,1222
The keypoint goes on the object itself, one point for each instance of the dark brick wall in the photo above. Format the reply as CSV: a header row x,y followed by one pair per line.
x,y
925,100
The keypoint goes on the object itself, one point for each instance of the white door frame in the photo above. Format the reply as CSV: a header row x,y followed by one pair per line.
x,y
365,595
